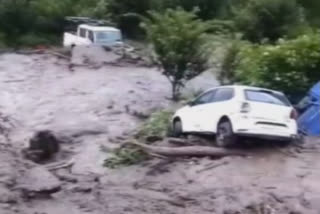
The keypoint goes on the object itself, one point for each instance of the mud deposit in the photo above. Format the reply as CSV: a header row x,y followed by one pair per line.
x,y
92,109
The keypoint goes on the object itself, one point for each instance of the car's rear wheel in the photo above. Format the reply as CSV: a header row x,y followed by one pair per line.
x,y
225,136
177,128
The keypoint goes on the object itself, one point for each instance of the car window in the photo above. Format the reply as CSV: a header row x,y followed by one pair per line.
x,y
91,37
223,94
82,33
205,98
266,97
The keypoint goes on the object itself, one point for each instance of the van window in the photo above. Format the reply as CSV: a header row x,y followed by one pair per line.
x,y
265,96
108,36
82,32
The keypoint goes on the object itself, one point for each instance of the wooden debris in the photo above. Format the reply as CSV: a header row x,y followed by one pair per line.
x,y
193,151
61,165
179,142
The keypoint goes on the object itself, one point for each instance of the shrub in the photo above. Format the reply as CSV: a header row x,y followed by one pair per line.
x,y
32,40
156,125
177,37
291,66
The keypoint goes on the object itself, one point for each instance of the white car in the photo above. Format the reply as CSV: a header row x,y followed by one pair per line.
x,y
233,111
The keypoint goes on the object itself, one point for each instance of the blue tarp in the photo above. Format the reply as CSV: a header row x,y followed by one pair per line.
x,y
309,121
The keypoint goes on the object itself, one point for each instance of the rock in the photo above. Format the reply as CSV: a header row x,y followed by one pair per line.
x,y
42,146
66,176
84,188
38,180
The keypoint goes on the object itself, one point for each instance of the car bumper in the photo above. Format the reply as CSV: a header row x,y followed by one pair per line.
x,y
262,128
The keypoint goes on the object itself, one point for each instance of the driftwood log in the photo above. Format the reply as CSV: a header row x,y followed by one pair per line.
x,y
193,151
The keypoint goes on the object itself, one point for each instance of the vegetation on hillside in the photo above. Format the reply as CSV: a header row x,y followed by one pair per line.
x,y
291,66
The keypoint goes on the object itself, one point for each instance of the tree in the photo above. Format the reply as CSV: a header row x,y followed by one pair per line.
x,y
268,19
16,17
177,37
229,61
312,8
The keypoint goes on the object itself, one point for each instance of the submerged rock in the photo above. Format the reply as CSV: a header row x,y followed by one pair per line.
x,y
38,180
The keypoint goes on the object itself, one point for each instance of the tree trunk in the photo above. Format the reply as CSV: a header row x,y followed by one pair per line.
x,y
175,91
194,151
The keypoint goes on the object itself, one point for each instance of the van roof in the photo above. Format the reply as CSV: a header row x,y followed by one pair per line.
x,y
98,28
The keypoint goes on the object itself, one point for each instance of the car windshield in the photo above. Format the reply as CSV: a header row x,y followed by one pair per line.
x,y
108,36
266,96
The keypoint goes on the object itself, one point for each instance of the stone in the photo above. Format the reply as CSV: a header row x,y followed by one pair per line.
x,y
38,180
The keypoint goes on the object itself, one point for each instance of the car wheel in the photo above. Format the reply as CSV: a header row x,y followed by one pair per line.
x,y
177,128
225,136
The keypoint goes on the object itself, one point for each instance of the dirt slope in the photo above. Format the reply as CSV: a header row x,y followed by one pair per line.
x,y
93,108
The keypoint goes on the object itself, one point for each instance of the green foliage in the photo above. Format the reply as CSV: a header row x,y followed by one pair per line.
x,y
156,125
268,19
16,17
256,19
177,37
312,8
229,61
126,156
291,66
33,40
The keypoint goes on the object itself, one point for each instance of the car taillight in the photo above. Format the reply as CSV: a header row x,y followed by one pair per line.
x,y
294,114
245,108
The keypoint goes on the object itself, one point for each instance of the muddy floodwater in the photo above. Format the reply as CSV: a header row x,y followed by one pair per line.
x,y
94,108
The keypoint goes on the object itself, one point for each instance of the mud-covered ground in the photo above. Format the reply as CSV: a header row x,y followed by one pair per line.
x,y
95,108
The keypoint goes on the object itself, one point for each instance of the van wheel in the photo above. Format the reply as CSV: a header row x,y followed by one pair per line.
x,y
225,136
177,128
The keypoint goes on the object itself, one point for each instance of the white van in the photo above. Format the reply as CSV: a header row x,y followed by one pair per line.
x,y
93,35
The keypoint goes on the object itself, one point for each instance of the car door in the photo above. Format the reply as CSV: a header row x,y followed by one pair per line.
x,y
219,105
192,119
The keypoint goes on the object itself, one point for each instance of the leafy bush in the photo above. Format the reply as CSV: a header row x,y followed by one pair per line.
x,y
126,156
177,37
156,125
16,18
291,66
32,40
268,19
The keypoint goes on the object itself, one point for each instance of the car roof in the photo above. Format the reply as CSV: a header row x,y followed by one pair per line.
x,y
244,87
98,28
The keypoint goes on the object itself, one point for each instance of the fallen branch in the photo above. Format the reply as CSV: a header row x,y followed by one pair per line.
x,y
179,142
194,151
61,165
